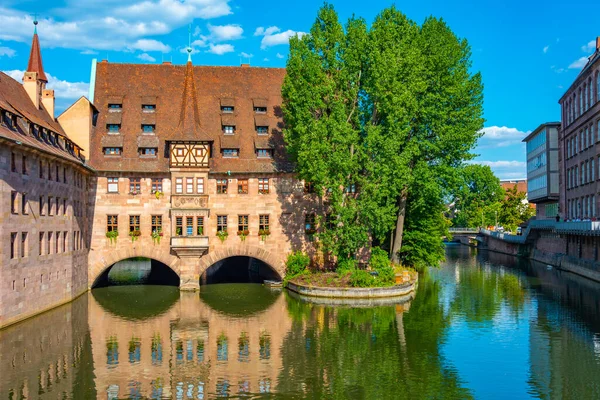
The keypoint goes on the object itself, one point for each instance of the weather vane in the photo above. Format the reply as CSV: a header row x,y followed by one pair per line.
x,y
35,22
189,49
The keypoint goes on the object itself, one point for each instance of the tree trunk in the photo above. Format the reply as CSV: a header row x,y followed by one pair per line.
x,y
399,226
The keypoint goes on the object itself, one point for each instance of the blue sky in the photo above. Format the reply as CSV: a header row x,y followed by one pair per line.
x,y
528,52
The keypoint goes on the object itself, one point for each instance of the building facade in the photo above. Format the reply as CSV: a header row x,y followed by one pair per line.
x,y
43,208
543,169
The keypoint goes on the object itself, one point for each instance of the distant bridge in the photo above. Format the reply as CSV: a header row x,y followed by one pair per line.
x,y
463,231
463,235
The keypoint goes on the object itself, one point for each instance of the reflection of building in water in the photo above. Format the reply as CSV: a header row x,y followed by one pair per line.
x,y
43,358
188,351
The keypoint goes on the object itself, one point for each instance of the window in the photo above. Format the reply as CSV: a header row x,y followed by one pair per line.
x,y
156,185
112,223
264,153
64,242
113,185
112,151
134,223
242,224
228,129
260,110
199,185
113,128
262,130
41,204
309,224
41,170
24,246
263,222
179,152
199,226
41,244
56,241
49,243
13,162
115,107
189,226
24,204
221,223
592,170
329,221
134,185
58,206
178,226
13,245
221,186
309,187
13,202
242,186
227,109
50,206
146,128
263,185
230,152
148,107
179,185
189,185
24,165
56,175
148,151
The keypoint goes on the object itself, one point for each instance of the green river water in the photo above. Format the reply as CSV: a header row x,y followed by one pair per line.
x,y
482,326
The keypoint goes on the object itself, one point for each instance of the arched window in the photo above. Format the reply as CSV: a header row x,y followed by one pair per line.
x,y
584,98
590,92
580,103
597,86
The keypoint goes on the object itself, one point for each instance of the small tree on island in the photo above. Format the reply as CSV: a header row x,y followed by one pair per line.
x,y
378,120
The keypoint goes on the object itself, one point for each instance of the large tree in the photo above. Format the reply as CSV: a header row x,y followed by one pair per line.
x,y
390,111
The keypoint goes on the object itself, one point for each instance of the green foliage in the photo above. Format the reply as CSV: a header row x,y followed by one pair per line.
x,y
514,209
361,278
379,259
345,265
222,235
376,109
296,263
112,236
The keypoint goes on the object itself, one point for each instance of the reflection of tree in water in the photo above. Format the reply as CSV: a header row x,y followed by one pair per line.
x,y
481,293
357,353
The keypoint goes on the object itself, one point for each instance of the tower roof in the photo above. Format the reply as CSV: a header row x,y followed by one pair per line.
x,y
188,127
35,59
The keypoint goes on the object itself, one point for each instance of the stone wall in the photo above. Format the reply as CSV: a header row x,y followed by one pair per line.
x,y
32,281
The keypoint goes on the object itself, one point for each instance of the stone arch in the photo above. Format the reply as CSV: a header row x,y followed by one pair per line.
x,y
112,256
276,262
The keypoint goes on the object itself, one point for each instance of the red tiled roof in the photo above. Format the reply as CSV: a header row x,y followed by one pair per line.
x,y
188,103
35,59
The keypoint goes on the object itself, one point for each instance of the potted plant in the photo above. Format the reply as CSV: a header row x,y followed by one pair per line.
x,y
200,230
112,236
178,231
158,194
263,233
156,235
222,235
134,235
243,234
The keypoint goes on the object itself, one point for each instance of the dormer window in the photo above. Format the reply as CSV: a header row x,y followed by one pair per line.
x,y
230,153
148,151
264,153
262,130
228,129
115,107
148,128
149,107
260,110
227,109
112,151
113,128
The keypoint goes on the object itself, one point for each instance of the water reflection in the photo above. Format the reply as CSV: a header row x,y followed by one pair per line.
x,y
482,326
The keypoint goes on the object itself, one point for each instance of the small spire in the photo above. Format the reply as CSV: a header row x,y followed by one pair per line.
x,y
35,23
35,56
189,48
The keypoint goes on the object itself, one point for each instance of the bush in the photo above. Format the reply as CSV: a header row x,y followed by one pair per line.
x,y
361,278
296,263
386,277
379,259
345,265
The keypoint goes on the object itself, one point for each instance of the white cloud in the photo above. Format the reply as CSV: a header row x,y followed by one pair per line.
x,y
280,55
7,51
89,52
220,49
505,169
150,45
589,47
557,70
580,63
502,136
246,55
272,36
502,164
546,49
62,89
146,57
220,33
265,59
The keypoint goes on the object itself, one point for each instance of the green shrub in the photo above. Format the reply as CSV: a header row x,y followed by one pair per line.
x,y
296,263
379,259
345,265
361,278
386,277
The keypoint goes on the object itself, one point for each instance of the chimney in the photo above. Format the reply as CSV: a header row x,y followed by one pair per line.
x,y
167,63
598,43
245,65
33,86
48,101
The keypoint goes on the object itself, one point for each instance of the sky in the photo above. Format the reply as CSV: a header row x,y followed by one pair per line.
x,y
528,52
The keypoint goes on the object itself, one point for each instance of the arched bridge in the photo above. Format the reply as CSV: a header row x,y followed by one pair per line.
x,y
463,235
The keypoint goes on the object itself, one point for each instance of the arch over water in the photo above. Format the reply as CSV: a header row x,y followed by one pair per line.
x,y
275,261
137,271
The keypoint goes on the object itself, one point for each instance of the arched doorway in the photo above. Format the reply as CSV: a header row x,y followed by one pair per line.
x,y
137,271
239,269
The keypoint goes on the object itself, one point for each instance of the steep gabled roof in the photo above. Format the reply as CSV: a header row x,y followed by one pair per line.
x,y
189,127
35,59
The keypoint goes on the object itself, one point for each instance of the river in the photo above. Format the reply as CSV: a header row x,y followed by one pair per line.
x,y
483,325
